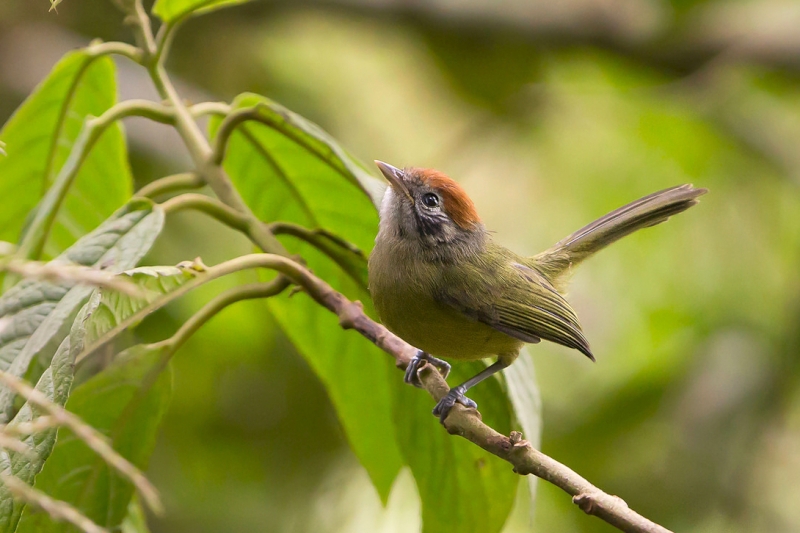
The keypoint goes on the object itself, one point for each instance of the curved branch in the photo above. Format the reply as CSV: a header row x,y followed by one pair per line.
x,y
93,128
227,127
220,302
319,237
168,184
98,48
347,255
210,206
465,422
350,258
209,108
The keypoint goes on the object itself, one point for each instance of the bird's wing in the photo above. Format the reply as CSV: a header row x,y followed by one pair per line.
x,y
523,304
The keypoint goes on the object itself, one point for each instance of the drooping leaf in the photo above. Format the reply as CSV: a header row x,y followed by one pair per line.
x,y
173,10
311,180
462,487
353,370
36,315
40,135
126,402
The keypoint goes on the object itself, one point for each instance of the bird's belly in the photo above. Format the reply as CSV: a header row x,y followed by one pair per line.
x,y
440,330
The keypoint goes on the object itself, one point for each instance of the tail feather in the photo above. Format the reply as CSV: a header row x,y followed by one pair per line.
x,y
644,212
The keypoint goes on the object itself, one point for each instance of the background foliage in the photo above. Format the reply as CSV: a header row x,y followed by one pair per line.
x,y
550,117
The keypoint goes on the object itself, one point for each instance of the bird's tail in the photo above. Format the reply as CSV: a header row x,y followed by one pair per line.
x,y
644,212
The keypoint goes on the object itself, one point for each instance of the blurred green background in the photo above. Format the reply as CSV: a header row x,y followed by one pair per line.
x,y
550,114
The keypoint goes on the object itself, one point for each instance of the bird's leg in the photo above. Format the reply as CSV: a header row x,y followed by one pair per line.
x,y
456,394
412,377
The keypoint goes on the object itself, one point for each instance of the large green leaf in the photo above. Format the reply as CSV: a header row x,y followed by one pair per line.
x,y
37,315
40,135
290,170
353,370
462,487
126,402
171,11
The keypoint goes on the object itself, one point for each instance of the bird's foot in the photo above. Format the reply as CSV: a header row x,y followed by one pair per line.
x,y
412,377
456,395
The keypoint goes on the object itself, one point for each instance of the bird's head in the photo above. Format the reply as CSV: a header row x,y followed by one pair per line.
x,y
426,206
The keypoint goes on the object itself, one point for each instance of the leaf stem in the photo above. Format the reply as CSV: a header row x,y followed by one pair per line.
x,y
98,49
220,302
317,237
169,184
210,206
210,108
33,242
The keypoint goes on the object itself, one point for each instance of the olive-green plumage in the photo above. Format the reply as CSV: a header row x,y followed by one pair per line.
x,y
439,281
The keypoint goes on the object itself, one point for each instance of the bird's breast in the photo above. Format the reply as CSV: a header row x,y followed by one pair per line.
x,y
403,295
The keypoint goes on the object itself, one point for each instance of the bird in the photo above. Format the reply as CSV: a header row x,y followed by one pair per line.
x,y
440,282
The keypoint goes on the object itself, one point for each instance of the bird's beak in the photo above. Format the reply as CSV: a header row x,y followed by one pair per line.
x,y
396,177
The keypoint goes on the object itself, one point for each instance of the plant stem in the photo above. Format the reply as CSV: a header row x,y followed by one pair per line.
x,y
210,206
169,184
97,49
34,239
213,174
210,108
220,302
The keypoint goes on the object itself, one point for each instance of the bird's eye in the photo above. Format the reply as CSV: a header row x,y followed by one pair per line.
x,y
430,200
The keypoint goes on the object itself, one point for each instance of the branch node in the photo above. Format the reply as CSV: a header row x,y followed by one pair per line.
x,y
350,313
591,502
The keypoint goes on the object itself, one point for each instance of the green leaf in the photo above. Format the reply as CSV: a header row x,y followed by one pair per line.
x,y
290,170
39,137
126,402
106,311
353,370
171,11
36,315
311,179
462,487
55,383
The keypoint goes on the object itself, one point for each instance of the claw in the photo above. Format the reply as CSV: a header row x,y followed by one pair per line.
x,y
456,395
412,376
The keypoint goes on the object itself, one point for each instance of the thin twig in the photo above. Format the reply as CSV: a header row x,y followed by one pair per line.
x,y
209,108
317,237
36,425
58,510
220,302
90,436
8,442
69,273
210,206
170,184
